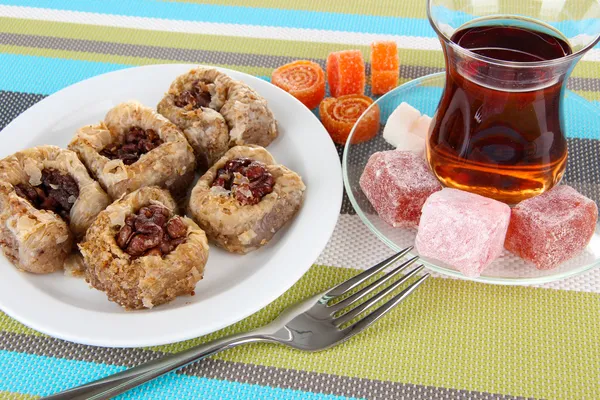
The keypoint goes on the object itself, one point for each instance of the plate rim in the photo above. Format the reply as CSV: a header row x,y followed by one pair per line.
x,y
436,268
328,217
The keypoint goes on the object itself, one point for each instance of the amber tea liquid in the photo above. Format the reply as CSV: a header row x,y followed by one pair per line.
x,y
491,135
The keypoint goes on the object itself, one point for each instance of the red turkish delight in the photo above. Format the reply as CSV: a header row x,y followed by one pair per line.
x,y
553,227
397,183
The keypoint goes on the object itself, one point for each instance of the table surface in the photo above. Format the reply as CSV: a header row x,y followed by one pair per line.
x,y
453,340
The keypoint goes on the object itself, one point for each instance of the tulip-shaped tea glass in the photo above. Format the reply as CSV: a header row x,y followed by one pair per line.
x,y
498,130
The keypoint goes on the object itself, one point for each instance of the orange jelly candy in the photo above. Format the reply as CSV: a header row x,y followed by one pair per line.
x,y
305,80
339,116
384,67
346,73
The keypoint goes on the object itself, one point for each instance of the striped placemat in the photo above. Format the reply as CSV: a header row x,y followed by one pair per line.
x,y
454,340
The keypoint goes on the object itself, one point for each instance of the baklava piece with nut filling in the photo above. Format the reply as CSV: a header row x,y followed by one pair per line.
x,y
136,147
47,202
245,198
216,112
141,254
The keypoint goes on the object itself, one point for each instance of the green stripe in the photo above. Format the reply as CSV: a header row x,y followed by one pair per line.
x,y
388,8
452,333
8,324
16,396
587,69
588,94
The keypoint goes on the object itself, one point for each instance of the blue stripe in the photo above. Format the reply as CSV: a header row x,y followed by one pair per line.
x,y
46,75
241,15
42,376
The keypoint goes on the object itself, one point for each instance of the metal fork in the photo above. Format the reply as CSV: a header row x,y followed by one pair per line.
x,y
317,323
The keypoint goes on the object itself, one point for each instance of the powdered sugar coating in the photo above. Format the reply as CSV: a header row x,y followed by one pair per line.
x,y
397,183
553,227
463,230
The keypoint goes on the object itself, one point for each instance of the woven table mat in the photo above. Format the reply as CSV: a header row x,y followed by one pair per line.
x,y
453,340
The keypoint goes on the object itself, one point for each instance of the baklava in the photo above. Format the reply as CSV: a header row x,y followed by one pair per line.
x,y
141,254
245,198
136,147
47,202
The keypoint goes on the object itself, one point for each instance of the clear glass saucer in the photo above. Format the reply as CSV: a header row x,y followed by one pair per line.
x,y
582,120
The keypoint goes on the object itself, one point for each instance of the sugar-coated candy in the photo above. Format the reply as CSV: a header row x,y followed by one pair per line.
x,y
397,183
406,129
305,80
384,55
553,227
346,73
340,115
384,66
383,81
462,230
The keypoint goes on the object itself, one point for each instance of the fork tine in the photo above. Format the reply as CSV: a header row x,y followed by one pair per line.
x,y
350,315
381,311
373,286
357,280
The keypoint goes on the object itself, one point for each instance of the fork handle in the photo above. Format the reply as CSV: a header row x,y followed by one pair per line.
x,y
118,383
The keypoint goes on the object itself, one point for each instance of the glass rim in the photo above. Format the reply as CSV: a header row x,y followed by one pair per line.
x,y
531,64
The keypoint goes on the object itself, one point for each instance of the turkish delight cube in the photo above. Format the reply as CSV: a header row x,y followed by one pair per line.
x,y
553,227
462,230
397,183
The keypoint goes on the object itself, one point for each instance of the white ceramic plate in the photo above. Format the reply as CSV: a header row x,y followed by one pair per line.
x,y
233,286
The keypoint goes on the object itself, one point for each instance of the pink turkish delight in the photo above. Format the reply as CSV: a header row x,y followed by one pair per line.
x,y
463,230
397,183
553,227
